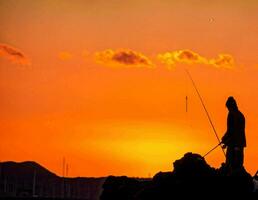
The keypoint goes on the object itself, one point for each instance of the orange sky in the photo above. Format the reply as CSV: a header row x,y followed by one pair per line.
x,y
102,83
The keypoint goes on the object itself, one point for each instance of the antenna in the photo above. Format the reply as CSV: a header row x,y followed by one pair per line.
x,y
204,107
186,103
67,184
63,182
34,184
67,168
63,167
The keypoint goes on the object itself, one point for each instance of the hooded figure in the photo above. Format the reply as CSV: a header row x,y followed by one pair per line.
x,y
234,138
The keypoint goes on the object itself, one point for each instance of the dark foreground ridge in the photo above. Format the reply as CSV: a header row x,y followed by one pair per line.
x,y
191,176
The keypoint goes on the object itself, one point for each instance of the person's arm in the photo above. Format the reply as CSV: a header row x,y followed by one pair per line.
x,y
227,136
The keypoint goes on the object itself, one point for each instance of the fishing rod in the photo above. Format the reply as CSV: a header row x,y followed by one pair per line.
x,y
206,111
212,150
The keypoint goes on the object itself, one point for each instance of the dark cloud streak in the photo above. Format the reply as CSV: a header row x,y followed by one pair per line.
x,y
13,54
123,58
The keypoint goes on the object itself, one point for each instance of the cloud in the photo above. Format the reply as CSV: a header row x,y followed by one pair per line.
x,y
224,61
13,54
127,58
191,57
64,55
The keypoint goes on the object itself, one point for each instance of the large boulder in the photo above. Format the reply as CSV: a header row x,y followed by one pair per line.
x,y
192,165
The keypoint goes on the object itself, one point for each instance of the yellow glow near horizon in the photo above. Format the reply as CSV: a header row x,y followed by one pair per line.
x,y
143,144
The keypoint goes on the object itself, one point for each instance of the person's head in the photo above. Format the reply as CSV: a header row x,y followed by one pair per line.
x,y
231,104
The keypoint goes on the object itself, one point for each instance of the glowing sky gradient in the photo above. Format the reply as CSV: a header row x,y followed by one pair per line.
x,y
102,83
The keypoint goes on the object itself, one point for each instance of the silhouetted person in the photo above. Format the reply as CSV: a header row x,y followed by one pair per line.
x,y
234,138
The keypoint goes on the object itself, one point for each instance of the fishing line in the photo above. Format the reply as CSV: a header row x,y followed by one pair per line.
x,y
205,109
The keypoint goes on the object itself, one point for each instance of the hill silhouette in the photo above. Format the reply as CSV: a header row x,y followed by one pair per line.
x,y
18,179
25,170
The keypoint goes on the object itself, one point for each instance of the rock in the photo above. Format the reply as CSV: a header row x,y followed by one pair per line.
x,y
192,165
191,176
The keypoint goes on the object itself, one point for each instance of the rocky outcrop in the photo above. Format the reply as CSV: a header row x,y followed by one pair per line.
x,y
191,176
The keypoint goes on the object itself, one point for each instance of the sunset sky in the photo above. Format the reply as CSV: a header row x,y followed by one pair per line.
x,y
103,83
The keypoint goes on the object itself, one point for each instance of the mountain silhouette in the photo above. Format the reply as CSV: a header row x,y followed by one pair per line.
x,y
25,170
29,179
